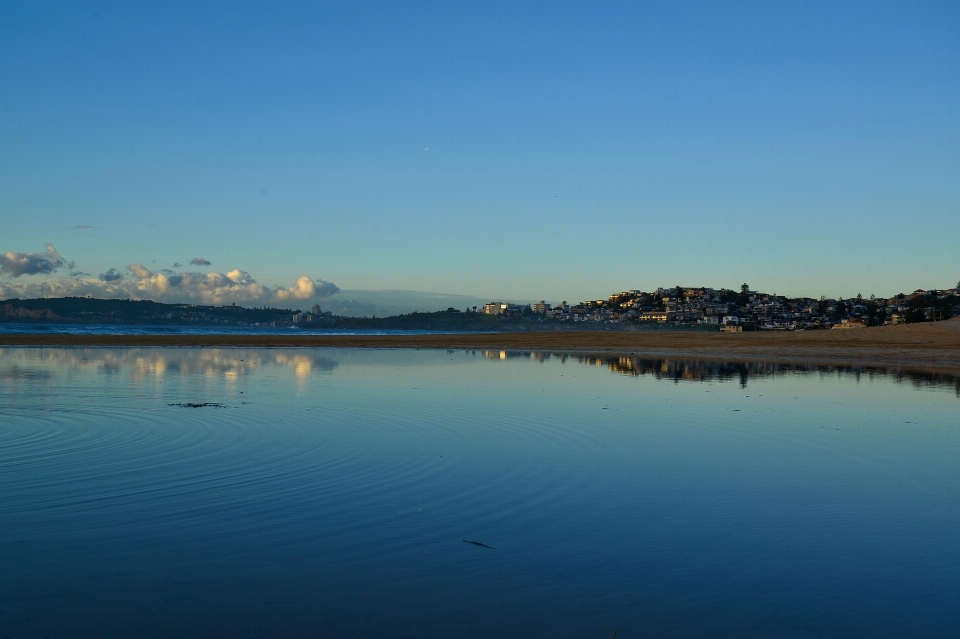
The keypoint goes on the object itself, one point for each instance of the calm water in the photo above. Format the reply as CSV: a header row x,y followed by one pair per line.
x,y
192,329
330,492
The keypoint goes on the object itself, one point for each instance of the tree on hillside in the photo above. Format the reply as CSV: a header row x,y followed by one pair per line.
x,y
914,314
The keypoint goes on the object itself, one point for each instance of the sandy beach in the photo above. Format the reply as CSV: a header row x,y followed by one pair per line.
x,y
931,347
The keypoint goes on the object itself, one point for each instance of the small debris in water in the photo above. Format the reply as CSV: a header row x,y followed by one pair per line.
x,y
478,543
196,405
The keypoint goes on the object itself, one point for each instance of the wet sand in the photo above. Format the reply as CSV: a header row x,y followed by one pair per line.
x,y
931,347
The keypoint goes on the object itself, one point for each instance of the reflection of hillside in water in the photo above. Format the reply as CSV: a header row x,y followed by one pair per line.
x,y
45,364
703,371
148,363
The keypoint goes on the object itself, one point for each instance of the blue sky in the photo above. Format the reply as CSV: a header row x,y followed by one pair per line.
x,y
500,150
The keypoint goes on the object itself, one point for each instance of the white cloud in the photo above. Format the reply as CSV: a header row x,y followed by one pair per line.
x,y
17,264
239,277
139,271
304,289
213,288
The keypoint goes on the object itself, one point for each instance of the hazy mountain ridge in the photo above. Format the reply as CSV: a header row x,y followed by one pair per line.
x,y
381,303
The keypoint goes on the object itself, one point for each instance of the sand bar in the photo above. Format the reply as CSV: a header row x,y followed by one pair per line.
x,y
933,347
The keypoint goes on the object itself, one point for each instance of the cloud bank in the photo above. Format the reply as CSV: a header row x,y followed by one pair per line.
x,y
141,283
17,264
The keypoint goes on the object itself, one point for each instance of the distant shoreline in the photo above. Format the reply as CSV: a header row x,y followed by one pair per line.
x,y
933,347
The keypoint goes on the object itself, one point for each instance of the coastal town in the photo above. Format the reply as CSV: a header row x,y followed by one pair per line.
x,y
736,311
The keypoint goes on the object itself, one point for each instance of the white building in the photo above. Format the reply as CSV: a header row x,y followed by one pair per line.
x,y
495,308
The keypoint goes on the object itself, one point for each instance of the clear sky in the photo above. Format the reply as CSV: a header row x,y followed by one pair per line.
x,y
495,149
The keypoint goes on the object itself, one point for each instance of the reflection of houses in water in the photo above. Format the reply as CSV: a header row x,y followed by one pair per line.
x,y
703,371
689,370
536,356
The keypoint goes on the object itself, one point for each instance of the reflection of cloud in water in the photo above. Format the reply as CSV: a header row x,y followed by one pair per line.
x,y
304,363
100,359
17,373
210,363
143,363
